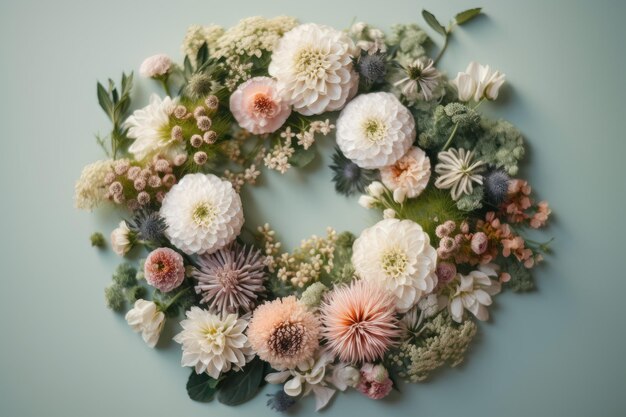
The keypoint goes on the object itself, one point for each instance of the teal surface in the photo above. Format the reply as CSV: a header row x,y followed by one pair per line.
x,y
558,351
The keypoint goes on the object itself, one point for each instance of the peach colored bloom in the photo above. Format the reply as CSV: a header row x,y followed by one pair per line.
x,y
258,107
409,176
284,333
374,382
540,218
359,321
164,269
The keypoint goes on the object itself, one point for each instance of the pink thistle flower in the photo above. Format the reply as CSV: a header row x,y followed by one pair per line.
x,y
258,107
359,321
375,382
164,269
284,333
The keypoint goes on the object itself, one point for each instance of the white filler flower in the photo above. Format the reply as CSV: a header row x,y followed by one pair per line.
x,y
457,171
398,254
375,130
212,344
148,126
202,213
146,318
313,66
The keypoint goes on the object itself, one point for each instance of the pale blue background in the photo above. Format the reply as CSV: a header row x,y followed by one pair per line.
x,y
557,351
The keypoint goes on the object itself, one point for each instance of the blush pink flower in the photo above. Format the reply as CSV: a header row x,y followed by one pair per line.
x,y
164,269
375,382
359,321
155,66
258,107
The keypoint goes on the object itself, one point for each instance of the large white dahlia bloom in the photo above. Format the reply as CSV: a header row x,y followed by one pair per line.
x,y
213,344
398,254
313,67
148,126
202,213
375,130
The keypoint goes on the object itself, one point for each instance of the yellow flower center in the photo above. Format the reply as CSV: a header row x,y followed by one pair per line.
x,y
374,130
310,63
394,262
204,214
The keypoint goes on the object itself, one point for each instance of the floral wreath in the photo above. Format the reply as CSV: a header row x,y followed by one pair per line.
x,y
340,312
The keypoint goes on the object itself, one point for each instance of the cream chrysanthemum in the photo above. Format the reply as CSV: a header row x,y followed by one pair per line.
x,y
202,213
212,344
397,254
313,66
148,128
409,176
375,130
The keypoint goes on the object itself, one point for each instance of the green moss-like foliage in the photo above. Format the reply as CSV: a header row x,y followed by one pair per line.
x,y
342,271
114,297
436,129
409,43
471,202
125,275
521,278
97,240
135,293
500,145
431,208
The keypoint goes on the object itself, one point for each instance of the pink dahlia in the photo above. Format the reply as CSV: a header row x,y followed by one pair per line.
x,y
359,320
374,382
164,269
258,107
284,333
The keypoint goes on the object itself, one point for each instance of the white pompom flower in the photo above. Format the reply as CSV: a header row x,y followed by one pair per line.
x,y
397,254
202,213
313,67
213,344
375,130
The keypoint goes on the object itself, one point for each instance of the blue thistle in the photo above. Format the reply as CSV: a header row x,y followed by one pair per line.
x,y
372,68
280,401
496,185
148,225
348,177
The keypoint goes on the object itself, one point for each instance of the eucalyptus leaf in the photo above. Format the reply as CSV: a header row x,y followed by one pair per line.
x,y
201,387
433,22
239,387
467,15
302,157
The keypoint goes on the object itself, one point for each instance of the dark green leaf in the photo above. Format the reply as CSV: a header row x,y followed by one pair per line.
x,y
201,387
239,387
203,54
115,95
467,15
433,22
188,70
105,101
302,157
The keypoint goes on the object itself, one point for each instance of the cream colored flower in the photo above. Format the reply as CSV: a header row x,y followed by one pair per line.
x,y
90,188
146,318
212,344
457,171
313,67
121,239
155,66
375,130
397,254
473,293
478,82
409,176
148,128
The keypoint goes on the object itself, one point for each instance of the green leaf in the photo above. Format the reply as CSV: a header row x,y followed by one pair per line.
x,y
433,22
302,157
188,70
201,387
105,101
239,387
467,15
202,55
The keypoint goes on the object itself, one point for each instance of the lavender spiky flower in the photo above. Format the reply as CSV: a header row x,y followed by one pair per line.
x,y
148,225
496,185
372,68
348,177
230,279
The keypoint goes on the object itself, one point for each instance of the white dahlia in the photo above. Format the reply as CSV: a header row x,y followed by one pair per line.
x,y
313,66
397,254
375,130
212,344
409,176
202,213
149,127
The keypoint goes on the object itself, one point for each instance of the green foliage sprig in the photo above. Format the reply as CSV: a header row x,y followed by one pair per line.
x,y
459,19
116,107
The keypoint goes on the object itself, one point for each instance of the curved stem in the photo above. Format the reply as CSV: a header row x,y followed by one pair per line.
x,y
452,134
443,49
176,297
165,86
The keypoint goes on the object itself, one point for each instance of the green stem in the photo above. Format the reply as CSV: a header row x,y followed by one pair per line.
x,y
443,48
176,297
452,134
166,87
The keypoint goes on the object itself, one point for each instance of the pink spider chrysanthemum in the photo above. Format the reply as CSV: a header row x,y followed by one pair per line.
x,y
359,321
284,333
